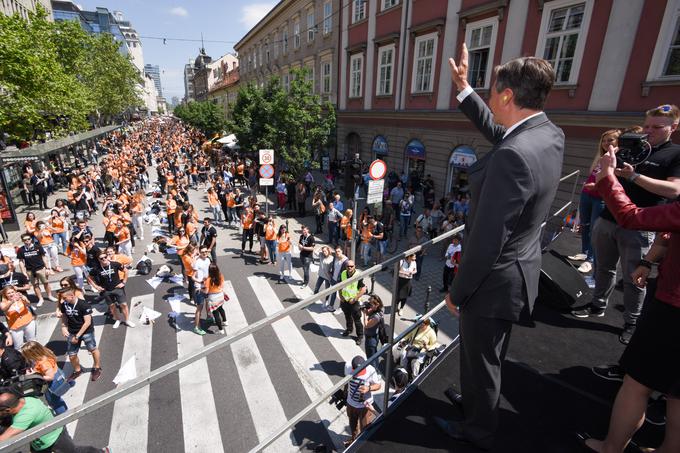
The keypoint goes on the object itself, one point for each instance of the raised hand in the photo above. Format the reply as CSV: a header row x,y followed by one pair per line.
x,y
607,163
459,71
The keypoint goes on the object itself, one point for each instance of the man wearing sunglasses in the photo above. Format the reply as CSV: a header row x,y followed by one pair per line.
x,y
109,279
647,184
33,263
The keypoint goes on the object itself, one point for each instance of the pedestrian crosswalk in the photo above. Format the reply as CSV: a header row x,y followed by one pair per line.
x,y
230,400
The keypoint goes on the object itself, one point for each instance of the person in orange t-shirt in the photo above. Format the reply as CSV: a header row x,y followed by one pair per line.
x,y
58,227
214,203
171,207
110,219
44,362
284,246
124,260
215,296
44,235
78,253
20,320
122,235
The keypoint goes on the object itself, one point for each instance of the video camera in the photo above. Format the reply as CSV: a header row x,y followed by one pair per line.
x,y
634,149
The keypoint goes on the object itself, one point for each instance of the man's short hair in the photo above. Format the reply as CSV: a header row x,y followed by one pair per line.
x,y
26,236
9,397
665,111
529,78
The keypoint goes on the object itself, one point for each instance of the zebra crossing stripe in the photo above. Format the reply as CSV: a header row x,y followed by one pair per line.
x,y
307,366
129,425
263,402
200,422
76,395
45,326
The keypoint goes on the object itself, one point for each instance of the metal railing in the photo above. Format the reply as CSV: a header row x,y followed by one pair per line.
x,y
129,387
157,374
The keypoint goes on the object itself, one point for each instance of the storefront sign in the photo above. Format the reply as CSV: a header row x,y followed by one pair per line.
x,y
415,150
463,157
380,147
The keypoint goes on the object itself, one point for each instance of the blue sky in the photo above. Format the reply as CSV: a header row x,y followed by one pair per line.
x,y
225,20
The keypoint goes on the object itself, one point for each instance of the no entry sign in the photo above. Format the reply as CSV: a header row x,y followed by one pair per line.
x,y
377,170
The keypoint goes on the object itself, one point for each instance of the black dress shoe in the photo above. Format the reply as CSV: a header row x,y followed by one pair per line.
x,y
454,430
345,333
454,396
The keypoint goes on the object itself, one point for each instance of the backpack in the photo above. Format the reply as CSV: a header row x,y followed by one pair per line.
x,y
143,267
382,331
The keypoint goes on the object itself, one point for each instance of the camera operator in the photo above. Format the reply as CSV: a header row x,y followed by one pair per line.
x,y
373,316
649,183
415,346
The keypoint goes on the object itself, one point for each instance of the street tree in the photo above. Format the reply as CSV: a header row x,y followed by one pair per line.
x,y
204,116
294,123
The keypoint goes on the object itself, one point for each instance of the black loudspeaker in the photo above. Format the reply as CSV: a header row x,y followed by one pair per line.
x,y
560,284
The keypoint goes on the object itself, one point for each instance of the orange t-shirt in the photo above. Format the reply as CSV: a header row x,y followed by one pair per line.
x,y
44,365
78,257
270,232
213,289
247,220
284,243
18,315
122,234
179,242
171,205
124,260
190,228
110,223
44,236
213,200
188,263
366,234
57,224
30,226
231,200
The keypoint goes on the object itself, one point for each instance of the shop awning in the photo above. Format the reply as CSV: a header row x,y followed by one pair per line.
x,y
40,150
227,139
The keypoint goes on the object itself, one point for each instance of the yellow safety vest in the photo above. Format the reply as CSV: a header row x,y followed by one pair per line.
x,y
350,291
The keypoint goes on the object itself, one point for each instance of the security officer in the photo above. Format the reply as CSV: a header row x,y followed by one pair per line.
x,y
349,302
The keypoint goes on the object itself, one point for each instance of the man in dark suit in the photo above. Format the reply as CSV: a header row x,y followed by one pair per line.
x,y
512,189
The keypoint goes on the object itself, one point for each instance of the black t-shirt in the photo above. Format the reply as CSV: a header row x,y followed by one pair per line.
x,y
16,279
33,257
208,234
260,224
662,164
92,261
306,242
75,315
107,276
379,228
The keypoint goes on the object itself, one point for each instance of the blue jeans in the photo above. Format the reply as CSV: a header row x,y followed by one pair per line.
x,y
217,213
59,385
271,246
404,221
590,208
321,281
61,237
371,345
333,233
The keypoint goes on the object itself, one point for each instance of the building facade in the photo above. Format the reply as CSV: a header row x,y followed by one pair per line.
x,y
295,33
189,91
155,72
201,74
24,7
224,89
614,59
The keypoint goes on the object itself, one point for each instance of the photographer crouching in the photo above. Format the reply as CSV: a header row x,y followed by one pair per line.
x,y
372,318
414,347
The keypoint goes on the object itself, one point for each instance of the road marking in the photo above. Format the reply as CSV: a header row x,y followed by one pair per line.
x,y
263,401
200,421
129,424
45,328
76,395
307,366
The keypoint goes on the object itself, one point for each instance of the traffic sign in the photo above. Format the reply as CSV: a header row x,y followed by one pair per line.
x,y
266,156
377,170
266,181
266,171
375,191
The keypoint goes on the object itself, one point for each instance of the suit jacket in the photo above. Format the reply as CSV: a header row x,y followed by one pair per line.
x,y
512,189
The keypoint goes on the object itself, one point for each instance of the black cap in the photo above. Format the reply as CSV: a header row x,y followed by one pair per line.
x,y
357,362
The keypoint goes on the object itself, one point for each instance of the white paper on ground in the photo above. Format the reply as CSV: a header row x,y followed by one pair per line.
x,y
175,304
148,313
178,279
127,372
154,282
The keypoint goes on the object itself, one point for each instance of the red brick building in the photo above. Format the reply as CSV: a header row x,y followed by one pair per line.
x,y
614,59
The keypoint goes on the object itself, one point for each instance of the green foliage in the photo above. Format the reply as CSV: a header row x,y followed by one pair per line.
x,y
293,123
205,116
54,75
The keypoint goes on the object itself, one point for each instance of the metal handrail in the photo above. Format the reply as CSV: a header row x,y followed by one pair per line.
x,y
341,383
129,387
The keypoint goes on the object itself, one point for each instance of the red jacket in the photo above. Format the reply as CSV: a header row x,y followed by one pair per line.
x,y
664,218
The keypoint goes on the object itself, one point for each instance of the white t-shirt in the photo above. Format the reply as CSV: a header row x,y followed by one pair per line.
x,y
201,266
450,252
368,376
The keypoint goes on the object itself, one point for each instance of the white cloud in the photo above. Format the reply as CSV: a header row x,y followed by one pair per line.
x,y
251,14
179,11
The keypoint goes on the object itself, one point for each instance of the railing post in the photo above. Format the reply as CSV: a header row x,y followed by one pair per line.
x,y
372,283
426,308
393,322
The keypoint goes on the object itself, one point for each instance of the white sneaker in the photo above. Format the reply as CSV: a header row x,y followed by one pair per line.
x,y
41,302
578,257
223,331
116,324
129,324
585,267
52,298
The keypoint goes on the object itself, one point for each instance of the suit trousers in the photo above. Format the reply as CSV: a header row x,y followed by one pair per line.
x,y
612,243
483,345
